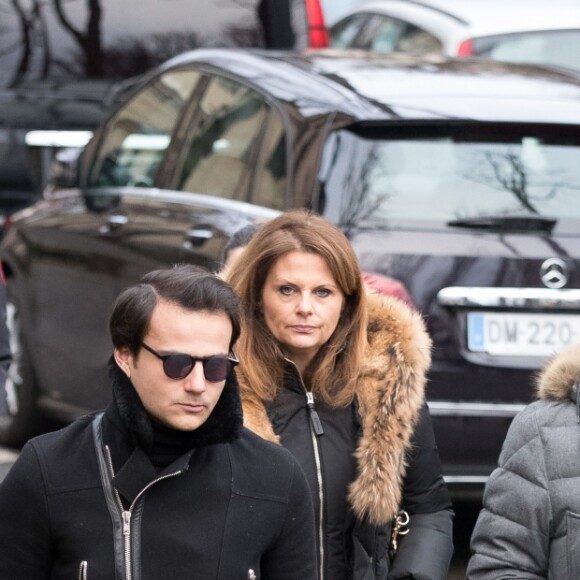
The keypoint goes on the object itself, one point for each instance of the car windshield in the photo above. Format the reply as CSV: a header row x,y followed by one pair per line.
x,y
429,178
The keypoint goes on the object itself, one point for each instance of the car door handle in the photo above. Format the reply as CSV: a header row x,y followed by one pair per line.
x,y
117,220
113,222
197,237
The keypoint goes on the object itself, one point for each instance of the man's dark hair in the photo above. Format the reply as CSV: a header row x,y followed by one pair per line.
x,y
239,239
190,287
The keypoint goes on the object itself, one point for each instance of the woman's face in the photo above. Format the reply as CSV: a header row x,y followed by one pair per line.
x,y
302,304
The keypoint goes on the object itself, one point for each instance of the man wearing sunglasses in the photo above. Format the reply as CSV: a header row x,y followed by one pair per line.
x,y
166,482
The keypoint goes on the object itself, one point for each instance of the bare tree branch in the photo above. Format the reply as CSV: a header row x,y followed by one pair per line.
x,y
89,41
25,26
65,22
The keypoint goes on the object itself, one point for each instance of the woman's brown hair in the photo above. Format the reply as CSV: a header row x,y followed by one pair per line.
x,y
333,372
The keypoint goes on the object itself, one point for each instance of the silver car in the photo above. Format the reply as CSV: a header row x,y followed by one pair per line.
x,y
523,31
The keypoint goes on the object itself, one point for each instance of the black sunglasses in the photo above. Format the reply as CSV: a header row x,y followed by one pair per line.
x,y
177,365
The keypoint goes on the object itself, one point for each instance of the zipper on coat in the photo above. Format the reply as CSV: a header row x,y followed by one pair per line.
x,y
314,418
315,431
126,514
83,570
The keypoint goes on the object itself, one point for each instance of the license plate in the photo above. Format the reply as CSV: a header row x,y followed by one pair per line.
x,y
508,334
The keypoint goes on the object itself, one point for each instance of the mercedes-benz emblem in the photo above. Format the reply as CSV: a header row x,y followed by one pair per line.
x,y
554,273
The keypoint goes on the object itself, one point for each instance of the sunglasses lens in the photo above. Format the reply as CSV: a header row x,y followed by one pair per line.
x,y
216,368
177,366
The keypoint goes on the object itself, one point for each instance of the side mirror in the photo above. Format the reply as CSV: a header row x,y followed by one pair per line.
x,y
57,150
64,170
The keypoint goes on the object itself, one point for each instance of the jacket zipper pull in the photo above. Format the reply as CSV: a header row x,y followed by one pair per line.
x,y
314,418
83,570
126,523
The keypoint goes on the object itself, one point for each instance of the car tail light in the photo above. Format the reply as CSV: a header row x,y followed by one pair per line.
x,y
317,32
465,48
6,222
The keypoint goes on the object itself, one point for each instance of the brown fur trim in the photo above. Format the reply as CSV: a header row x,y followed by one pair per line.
x,y
555,381
390,395
255,416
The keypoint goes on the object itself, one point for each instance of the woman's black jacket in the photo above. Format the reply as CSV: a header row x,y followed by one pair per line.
x,y
366,461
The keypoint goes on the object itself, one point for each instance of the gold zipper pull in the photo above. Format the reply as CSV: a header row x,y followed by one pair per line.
x,y
399,528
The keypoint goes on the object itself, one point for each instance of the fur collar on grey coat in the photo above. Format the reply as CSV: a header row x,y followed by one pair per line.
x,y
560,378
390,394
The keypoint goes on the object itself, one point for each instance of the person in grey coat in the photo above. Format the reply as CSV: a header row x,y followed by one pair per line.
x,y
529,526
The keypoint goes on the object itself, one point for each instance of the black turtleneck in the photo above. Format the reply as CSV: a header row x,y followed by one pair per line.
x,y
162,444
168,445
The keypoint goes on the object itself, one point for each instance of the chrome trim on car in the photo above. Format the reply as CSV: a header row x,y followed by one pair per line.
x,y
532,298
449,408
465,479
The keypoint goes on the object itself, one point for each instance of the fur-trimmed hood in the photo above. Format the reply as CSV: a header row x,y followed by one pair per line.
x,y
560,378
390,394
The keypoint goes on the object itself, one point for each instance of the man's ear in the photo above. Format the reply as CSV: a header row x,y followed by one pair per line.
x,y
124,359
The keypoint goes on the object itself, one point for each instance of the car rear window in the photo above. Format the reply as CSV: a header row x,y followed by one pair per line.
x,y
429,177
546,47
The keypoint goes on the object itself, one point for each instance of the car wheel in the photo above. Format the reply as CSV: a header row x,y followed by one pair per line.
x,y
22,419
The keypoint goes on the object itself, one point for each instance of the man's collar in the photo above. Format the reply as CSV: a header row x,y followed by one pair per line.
x,y
224,425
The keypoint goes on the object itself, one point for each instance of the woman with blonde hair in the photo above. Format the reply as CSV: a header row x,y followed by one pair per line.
x,y
337,375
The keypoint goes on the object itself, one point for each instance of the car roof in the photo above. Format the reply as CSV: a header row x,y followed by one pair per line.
x,y
485,17
377,87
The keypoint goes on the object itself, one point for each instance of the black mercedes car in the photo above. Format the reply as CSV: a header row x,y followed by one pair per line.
x,y
460,179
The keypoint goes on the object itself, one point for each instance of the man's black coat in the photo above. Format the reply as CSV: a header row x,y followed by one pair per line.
x,y
232,507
